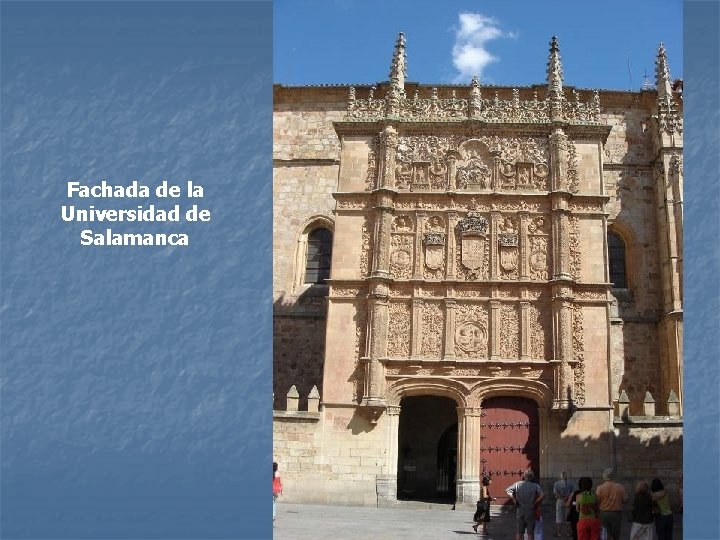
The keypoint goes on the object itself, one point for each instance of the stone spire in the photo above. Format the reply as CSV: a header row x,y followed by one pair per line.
x,y
662,74
554,79
398,68
668,117
398,71
554,68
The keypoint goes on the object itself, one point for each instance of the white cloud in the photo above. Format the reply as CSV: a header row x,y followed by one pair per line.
x,y
470,54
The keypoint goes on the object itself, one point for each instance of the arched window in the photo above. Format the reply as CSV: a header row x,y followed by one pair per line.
x,y
616,262
319,254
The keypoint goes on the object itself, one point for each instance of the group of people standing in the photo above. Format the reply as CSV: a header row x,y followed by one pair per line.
x,y
589,511
581,512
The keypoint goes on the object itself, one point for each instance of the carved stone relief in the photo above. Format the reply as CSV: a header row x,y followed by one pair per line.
x,y
539,252
401,255
400,325
402,223
372,164
422,162
509,332
539,332
366,247
579,354
574,235
433,323
471,331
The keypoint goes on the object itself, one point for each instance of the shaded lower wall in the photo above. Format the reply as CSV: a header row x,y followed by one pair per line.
x,y
335,456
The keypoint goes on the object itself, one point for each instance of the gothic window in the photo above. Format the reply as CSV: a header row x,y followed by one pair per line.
x,y
616,261
319,254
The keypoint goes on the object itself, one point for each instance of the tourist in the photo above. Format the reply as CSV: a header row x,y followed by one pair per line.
x,y
562,490
526,495
586,502
573,515
663,513
277,488
642,527
611,497
482,514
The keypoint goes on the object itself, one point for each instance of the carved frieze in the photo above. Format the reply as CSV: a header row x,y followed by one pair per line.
x,y
404,290
471,104
345,292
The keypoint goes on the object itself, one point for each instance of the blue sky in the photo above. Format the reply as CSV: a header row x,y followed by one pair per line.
x,y
503,42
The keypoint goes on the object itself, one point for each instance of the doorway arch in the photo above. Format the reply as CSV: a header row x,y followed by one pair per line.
x,y
427,448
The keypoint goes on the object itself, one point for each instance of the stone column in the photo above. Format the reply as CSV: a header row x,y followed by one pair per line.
x,y
558,160
386,167
563,353
451,162
495,330
495,169
416,337
561,238
525,330
386,483
468,472
451,245
378,309
449,342
383,227
420,218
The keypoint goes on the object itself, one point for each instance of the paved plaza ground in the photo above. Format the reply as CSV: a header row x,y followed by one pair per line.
x,y
406,521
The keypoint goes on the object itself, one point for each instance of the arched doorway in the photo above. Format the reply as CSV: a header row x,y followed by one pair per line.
x,y
509,441
427,449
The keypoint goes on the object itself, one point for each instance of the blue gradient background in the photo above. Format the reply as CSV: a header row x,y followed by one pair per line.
x,y
136,382
702,271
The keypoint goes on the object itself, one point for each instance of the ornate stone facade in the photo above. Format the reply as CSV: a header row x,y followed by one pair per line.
x,y
470,261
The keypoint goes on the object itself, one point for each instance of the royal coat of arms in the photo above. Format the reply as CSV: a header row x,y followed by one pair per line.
x,y
473,232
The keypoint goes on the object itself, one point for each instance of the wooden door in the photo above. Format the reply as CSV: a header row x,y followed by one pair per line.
x,y
509,442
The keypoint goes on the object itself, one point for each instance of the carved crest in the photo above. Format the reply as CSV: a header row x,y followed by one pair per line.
x,y
472,231
508,259
434,250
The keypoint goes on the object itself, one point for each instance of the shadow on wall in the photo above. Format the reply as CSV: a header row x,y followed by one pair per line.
x,y
299,324
640,447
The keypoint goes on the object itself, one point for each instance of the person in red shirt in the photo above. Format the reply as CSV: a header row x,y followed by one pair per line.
x,y
277,488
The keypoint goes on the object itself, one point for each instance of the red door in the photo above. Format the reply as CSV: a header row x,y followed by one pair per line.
x,y
509,442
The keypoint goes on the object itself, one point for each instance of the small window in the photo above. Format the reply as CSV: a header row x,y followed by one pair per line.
x,y
616,254
319,254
